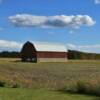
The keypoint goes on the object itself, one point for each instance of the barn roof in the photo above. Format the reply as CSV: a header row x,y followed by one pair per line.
x,y
52,47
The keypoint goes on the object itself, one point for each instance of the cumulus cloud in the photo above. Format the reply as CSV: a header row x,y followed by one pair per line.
x,y
97,1
4,44
85,48
13,45
58,21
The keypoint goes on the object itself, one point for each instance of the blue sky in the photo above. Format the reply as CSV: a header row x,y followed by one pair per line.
x,y
44,21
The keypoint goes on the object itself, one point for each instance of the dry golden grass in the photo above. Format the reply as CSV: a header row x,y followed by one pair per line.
x,y
47,75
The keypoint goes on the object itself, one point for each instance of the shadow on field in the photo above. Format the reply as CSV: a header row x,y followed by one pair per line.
x,y
19,61
16,61
75,93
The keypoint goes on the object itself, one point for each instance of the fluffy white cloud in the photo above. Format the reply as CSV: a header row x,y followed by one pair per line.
x,y
97,1
26,20
11,45
85,48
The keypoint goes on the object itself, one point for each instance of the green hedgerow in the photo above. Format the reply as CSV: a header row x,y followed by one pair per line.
x,y
85,87
2,84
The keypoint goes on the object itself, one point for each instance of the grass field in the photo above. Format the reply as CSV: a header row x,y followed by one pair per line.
x,y
39,81
40,94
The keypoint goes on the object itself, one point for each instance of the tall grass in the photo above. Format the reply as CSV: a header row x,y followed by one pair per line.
x,y
47,75
90,87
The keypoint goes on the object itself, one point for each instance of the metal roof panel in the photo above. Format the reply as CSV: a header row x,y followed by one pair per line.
x,y
50,47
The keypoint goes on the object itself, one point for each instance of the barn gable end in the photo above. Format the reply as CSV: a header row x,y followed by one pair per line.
x,y
28,52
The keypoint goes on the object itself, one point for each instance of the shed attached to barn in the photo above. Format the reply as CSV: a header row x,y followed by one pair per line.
x,y
44,52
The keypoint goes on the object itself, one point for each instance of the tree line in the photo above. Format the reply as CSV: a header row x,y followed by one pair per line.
x,y
72,54
12,54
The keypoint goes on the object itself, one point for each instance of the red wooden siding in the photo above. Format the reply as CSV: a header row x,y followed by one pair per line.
x,y
51,54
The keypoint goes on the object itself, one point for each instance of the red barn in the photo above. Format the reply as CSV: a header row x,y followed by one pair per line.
x,y
44,52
